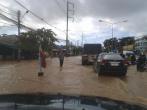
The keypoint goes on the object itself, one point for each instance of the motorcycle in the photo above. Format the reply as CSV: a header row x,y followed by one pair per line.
x,y
142,67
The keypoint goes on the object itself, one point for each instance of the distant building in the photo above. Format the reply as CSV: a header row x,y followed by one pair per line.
x,y
128,47
8,47
141,44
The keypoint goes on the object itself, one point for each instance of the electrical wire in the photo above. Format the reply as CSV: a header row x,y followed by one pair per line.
x,y
38,16
60,6
5,23
7,26
8,13
8,8
14,21
24,14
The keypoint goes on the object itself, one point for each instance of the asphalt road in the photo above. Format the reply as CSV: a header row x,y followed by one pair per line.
x,y
73,79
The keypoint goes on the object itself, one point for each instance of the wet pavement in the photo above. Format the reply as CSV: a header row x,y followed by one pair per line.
x,y
73,79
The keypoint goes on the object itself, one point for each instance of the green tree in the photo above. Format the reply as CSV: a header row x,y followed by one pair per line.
x,y
111,44
47,39
30,41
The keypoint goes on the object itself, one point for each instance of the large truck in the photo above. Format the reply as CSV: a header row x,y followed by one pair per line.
x,y
90,51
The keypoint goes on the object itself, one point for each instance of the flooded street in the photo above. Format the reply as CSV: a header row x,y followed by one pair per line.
x,y
74,79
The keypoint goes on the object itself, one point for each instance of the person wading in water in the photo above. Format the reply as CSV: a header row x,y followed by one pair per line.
x,y
61,58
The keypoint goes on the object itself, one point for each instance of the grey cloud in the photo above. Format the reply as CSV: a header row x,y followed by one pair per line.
x,y
48,9
112,8
116,10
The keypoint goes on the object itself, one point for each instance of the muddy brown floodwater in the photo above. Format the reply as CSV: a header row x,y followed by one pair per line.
x,y
74,79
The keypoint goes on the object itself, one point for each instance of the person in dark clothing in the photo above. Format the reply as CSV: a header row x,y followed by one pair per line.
x,y
141,62
133,59
61,57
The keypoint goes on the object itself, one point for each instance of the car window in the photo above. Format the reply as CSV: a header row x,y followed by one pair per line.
x,y
113,57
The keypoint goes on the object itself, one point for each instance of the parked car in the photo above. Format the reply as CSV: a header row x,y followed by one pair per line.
x,y
110,63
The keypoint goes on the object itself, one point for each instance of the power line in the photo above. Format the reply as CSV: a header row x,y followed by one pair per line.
x,y
38,16
5,23
77,19
60,6
13,21
7,26
8,8
69,9
7,12
24,14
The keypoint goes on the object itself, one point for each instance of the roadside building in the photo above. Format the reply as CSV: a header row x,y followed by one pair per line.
x,y
55,52
127,43
128,47
141,44
8,47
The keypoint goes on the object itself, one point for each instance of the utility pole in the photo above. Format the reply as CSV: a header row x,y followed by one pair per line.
x,y
70,8
82,40
77,43
18,39
112,26
113,46
67,27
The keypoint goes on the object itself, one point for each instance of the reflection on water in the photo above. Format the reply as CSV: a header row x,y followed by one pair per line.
x,y
22,77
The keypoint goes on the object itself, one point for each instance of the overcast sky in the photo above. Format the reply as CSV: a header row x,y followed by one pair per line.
x,y
86,17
